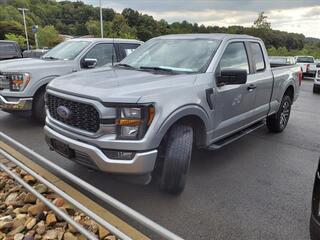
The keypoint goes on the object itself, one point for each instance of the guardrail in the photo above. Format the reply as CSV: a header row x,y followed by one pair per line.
x,y
143,220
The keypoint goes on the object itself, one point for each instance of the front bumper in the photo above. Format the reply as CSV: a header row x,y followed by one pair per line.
x,y
86,154
17,104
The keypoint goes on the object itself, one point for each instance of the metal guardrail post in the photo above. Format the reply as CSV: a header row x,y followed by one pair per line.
x,y
144,221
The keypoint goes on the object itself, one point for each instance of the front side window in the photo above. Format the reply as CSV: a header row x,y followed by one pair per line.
x,y
235,57
258,57
68,50
102,52
177,55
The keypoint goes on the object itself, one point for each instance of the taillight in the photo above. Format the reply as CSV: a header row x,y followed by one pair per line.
x,y
300,76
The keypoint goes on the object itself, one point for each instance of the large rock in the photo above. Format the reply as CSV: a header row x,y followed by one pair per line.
x,y
29,179
40,228
11,199
40,188
50,235
37,209
51,219
69,236
30,223
18,236
30,198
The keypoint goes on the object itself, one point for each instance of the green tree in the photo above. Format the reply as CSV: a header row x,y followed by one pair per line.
x,y
261,22
48,36
21,40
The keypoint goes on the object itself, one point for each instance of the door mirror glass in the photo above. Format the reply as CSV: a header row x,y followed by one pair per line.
x,y
318,65
232,76
89,63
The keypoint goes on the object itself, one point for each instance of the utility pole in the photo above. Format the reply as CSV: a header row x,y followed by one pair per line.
x,y
101,20
25,25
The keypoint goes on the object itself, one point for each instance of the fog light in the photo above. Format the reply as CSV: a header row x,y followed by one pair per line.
x,y
119,155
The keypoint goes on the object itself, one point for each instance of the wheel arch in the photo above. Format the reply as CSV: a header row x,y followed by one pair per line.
x,y
192,115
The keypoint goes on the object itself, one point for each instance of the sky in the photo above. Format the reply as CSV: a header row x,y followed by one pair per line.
x,y
299,16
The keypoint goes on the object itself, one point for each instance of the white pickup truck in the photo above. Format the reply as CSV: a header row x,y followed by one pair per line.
x,y
307,64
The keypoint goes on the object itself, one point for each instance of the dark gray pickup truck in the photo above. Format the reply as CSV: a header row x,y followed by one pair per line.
x,y
173,93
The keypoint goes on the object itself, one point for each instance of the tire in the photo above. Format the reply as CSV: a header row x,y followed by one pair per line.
x,y
177,157
278,121
316,89
38,108
314,230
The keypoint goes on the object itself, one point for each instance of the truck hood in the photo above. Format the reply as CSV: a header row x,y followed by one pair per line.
x,y
118,85
30,64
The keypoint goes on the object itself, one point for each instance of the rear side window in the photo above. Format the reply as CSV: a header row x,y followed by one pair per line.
x,y
258,57
235,57
127,48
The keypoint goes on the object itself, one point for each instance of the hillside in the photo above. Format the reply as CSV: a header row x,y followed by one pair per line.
x,y
78,19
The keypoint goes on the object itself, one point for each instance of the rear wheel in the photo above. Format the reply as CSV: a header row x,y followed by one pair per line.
x,y
278,121
38,108
177,157
316,89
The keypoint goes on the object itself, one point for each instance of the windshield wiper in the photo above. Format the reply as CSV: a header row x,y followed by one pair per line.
x,y
50,58
156,69
124,65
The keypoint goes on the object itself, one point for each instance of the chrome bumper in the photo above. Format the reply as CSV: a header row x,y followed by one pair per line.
x,y
142,162
24,104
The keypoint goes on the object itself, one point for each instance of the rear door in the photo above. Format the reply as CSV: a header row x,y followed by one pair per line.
x,y
234,103
262,80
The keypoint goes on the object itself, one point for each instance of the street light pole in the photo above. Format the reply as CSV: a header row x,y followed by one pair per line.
x,y
101,20
25,25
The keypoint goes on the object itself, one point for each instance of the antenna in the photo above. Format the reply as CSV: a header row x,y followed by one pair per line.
x,y
113,49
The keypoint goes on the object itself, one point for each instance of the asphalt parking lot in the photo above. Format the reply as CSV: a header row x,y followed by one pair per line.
x,y
259,187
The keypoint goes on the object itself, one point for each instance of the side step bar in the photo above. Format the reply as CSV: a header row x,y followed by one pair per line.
x,y
225,141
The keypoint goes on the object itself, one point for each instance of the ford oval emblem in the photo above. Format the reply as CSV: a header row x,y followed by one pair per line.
x,y
64,112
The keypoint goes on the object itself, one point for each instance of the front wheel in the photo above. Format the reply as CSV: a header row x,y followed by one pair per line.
x,y
278,121
38,108
177,157
316,89
314,230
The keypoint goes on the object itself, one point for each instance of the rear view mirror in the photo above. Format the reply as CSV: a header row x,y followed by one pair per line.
x,y
232,76
318,65
89,62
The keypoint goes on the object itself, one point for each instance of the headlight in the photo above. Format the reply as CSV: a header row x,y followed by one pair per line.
x,y
133,122
18,81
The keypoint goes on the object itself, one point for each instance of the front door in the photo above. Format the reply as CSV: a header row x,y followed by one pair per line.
x,y
233,103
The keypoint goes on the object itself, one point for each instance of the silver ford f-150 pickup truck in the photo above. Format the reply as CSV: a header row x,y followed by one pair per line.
x,y
23,81
145,114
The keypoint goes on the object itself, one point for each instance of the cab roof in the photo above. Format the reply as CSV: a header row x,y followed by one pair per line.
x,y
108,40
215,36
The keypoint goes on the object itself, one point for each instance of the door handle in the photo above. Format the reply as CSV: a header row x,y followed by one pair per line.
x,y
251,87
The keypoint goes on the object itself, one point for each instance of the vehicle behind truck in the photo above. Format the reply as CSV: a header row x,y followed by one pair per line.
x,y
173,94
308,65
316,84
23,81
9,50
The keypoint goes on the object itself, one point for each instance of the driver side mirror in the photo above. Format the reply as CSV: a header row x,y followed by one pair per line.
x,y
89,62
231,76
318,65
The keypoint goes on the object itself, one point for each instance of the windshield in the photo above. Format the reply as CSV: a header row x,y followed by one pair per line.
x,y
177,55
66,50
305,60
7,48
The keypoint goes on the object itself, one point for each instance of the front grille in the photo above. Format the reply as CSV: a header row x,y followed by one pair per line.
x,y
83,116
4,82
